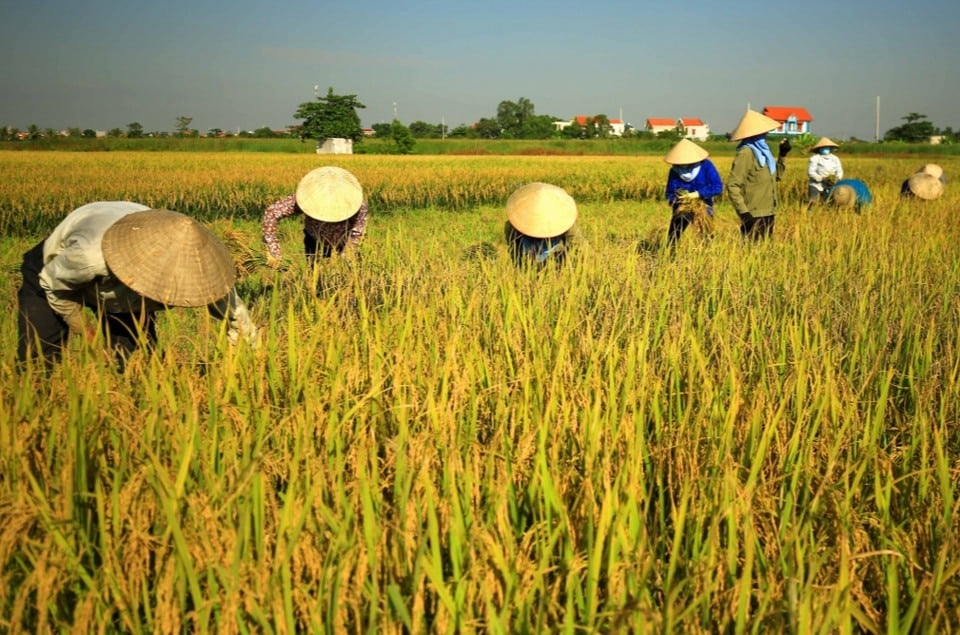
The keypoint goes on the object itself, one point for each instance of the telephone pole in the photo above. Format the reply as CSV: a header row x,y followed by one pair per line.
x,y
876,131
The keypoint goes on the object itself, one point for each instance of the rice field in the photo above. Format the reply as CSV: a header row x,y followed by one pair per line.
x,y
736,438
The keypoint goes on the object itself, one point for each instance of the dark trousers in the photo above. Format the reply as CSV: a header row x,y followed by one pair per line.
x,y
42,332
756,227
678,224
319,249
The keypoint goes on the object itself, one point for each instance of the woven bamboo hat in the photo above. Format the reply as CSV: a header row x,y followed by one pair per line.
x,y
824,142
329,194
843,196
168,257
925,186
752,124
933,170
685,152
541,210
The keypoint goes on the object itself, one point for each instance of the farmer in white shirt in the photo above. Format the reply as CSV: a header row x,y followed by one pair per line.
x,y
124,261
823,171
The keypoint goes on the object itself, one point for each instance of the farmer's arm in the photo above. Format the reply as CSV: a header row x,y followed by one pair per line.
x,y
271,217
736,183
232,309
65,277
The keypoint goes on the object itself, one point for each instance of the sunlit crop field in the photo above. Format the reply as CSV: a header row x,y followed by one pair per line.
x,y
739,437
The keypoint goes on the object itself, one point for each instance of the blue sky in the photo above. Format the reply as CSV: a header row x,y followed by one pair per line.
x,y
244,64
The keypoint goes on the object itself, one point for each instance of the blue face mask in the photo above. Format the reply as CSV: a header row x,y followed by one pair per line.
x,y
824,151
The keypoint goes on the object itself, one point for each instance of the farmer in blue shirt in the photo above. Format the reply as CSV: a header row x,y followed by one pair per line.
x,y
692,183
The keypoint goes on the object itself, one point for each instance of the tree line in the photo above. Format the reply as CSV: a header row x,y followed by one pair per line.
x,y
335,116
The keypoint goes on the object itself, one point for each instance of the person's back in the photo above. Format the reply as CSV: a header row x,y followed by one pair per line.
x,y
541,224
851,193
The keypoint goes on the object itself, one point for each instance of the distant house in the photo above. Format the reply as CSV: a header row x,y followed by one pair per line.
x,y
335,146
657,125
696,129
793,120
616,125
693,128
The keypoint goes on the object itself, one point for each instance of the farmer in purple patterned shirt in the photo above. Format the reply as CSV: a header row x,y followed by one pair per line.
x,y
335,215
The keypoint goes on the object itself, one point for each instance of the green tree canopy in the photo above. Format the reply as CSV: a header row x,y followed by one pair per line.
x,y
487,128
460,131
331,117
183,125
513,117
602,126
402,138
540,127
916,130
518,120
574,131
424,130
381,130
264,132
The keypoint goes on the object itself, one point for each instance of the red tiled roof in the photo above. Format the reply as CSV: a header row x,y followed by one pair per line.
x,y
661,121
690,122
583,119
782,113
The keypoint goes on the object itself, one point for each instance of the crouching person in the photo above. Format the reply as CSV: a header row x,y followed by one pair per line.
x,y
124,261
850,193
541,225
925,185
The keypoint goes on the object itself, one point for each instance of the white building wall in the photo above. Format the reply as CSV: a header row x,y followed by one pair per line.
x,y
698,133
335,146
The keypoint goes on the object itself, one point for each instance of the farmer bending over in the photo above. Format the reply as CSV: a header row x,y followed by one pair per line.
x,y
541,225
124,261
692,183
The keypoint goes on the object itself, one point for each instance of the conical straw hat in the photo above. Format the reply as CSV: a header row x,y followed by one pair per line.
x,y
752,124
925,186
168,257
933,170
685,152
541,210
844,196
824,142
329,194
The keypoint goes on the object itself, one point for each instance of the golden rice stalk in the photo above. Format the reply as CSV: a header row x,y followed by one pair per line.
x,y
248,252
702,221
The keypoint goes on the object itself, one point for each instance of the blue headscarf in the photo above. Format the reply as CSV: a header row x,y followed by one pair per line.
x,y
761,151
